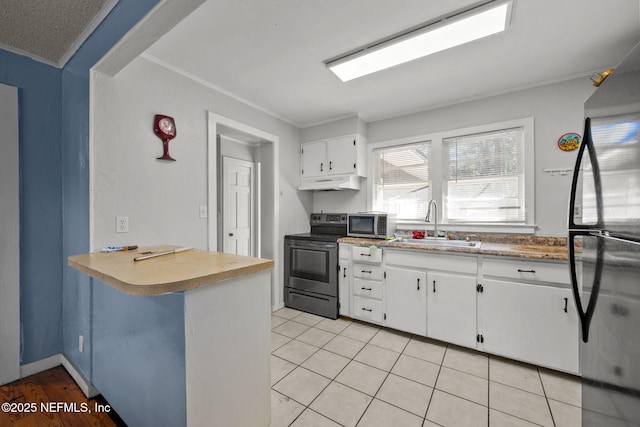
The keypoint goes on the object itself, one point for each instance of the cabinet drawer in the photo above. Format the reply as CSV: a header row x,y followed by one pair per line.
x,y
367,288
367,271
527,270
431,261
365,253
367,309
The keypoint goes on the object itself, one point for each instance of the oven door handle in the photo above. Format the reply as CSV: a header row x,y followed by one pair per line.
x,y
312,245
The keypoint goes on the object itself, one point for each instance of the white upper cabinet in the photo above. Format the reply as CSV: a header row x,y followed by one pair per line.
x,y
342,155
314,161
328,159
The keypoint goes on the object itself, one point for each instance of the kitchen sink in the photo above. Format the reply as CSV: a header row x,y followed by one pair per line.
x,y
449,243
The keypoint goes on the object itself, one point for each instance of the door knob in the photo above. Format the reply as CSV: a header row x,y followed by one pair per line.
x,y
230,234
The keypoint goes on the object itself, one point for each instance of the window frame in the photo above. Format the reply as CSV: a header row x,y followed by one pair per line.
x,y
438,180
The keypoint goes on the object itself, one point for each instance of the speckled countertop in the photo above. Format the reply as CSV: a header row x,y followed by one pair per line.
x,y
169,273
509,245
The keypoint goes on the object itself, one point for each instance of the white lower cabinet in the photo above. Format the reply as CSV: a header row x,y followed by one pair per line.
x,y
344,290
517,308
451,308
532,323
344,280
366,284
405,300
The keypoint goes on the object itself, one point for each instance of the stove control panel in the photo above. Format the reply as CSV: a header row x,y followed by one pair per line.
x,y
328,218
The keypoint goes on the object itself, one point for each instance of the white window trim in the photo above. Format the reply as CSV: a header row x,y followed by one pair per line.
x,y
437,179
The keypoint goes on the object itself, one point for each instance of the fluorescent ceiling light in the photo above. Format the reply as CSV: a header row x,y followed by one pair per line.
x,y
448,32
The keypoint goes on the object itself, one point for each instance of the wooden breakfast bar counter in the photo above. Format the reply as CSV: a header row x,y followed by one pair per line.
x,y
181,339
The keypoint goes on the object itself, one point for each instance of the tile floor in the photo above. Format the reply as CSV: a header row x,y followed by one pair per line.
x,y
347,373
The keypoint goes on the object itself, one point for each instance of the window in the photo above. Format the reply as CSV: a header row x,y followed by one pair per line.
x,y
484,175
482,178
401,180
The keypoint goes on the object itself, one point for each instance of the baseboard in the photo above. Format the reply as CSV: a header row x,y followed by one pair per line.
x,y
277,306
56,360
87,388
40,365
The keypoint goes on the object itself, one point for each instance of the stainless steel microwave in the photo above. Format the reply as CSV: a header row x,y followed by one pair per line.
x,y
372,225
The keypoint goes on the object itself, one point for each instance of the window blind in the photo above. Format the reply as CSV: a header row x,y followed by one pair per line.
x,y
401,180
484,176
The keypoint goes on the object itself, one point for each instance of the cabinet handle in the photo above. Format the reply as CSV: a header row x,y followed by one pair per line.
x,y
366,271
366,289
367,309
321,166
330,165
365,254
418,283
566,301
434,286
526,271
344,272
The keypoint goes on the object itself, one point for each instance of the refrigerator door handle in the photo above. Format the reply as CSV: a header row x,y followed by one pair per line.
x,y
587,143
585,315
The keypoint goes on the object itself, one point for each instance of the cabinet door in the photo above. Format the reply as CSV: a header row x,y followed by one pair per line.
x,y
451,308
405,300
344,288
341,155
533,323
313,159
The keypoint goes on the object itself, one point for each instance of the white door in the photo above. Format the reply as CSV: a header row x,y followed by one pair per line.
x,y
405,300
451,308
238,218
9,237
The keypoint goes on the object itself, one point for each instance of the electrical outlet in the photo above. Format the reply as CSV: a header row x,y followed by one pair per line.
x,y
203,211
80,343
122,224
577,211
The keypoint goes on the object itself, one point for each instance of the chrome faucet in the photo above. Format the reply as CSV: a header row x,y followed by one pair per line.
x,y
433,203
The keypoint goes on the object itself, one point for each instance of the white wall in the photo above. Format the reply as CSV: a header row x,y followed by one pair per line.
x,y
557,109
237,150
162,199
346,126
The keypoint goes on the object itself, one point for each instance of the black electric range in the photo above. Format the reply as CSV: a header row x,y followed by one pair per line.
x,y
311,265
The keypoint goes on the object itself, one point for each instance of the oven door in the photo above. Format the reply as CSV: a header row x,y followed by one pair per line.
x,y
311,266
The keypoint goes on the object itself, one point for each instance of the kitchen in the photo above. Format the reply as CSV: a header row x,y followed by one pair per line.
x,y
123,141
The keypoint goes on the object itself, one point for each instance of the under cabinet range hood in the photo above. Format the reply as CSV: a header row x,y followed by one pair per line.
x,y
351,182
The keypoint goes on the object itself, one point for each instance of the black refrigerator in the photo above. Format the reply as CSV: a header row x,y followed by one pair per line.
x,y
604,249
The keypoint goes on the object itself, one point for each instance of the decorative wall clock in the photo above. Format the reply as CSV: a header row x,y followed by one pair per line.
x,y
165,128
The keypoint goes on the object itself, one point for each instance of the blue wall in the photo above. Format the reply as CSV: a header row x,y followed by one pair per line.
x,y
54,189
77,291
139,355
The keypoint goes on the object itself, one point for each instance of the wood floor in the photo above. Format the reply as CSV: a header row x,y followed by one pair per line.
x,y
50,391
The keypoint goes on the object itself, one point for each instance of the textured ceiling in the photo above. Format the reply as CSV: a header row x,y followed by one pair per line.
x,y
49,30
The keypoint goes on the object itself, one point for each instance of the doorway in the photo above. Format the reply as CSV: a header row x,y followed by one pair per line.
x,y
9,237
264,149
